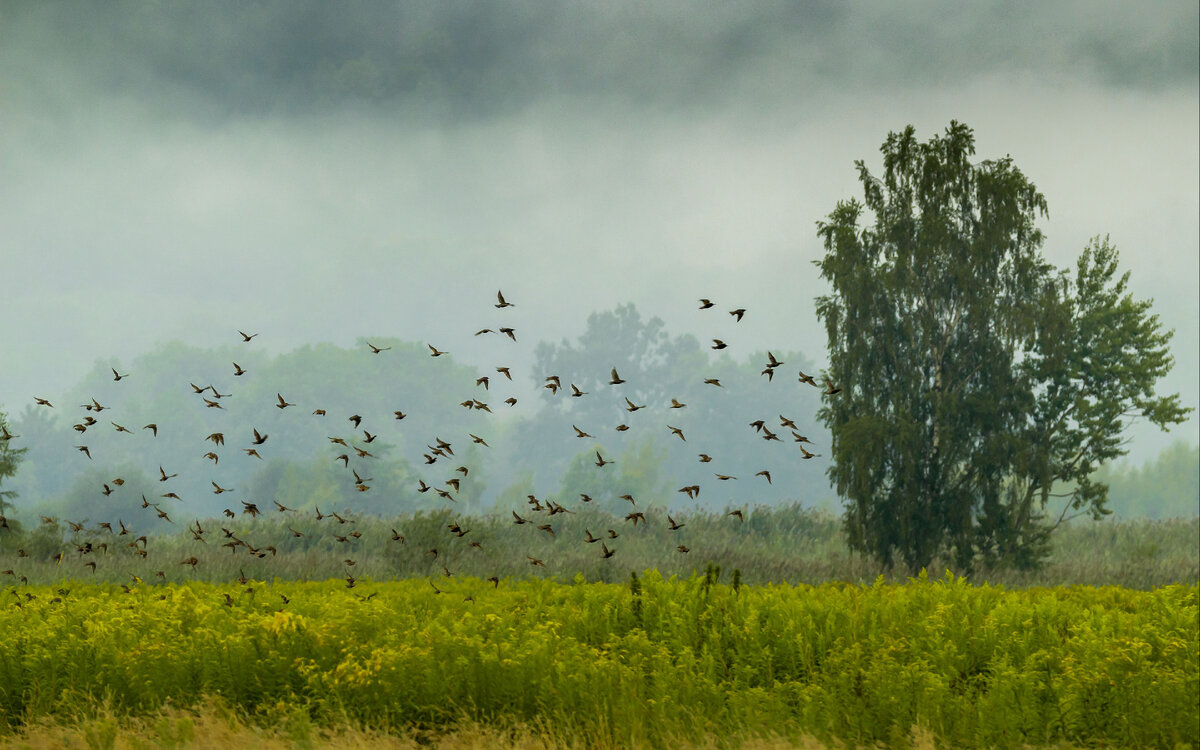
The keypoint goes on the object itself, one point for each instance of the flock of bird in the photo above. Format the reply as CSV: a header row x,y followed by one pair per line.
x,y
356,455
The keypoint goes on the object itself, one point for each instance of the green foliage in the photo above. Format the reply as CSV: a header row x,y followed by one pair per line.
x,y
775,545
1166,487
974,377
652,663
10,459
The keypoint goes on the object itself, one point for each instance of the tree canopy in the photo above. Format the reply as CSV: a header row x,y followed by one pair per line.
x,y
975,376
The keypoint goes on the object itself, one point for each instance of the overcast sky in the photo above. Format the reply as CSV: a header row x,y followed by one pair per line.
x,y
322,171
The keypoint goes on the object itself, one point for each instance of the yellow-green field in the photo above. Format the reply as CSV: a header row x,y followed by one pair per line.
x,y
652,663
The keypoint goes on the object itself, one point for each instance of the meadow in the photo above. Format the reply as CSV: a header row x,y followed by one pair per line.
x,y
743,641
654,662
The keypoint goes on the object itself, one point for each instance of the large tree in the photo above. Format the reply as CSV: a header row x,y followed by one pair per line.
x,y
976,378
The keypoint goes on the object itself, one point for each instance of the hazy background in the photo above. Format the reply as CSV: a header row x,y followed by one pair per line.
x,y
321,172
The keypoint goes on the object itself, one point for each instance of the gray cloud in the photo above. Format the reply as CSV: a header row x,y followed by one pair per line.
x,y
473,59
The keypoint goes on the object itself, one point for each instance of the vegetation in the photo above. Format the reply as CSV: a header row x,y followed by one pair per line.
x,y
773,545
10,459
975,377
1167,486
648,663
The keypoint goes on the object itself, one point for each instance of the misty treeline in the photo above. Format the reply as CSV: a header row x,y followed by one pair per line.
x,y
531,447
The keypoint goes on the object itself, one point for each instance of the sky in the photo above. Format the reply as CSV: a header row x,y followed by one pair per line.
x,y
320,171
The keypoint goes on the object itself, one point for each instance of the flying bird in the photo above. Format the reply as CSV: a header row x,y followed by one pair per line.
x,y
705,304
616,379
282,404
377,349
247,336
738,313
501,302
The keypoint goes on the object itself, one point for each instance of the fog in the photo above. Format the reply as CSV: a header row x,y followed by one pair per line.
x,y
320,173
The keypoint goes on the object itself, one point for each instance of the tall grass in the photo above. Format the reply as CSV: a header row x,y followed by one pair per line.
x,y
773,545
653,662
